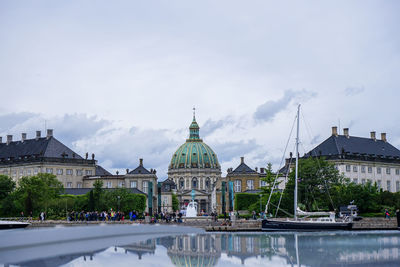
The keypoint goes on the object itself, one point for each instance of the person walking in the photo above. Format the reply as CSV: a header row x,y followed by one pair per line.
x,y
387,214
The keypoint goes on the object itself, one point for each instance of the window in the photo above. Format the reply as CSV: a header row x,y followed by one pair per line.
x,y
49,170
363,181
397,186
194,183
388,186
369,169
79,172
181,183
29,172
397,171
362,168
387,170
145,185
263,183
355,180
69,185
79,185
238,186
379,184
109,185
378,170
133,184
88,172
348,168
355,168
250,184
59,171
69,172
208,183
120,184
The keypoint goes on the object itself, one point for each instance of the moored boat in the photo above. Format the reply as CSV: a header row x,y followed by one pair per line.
x,y
319,224
4,225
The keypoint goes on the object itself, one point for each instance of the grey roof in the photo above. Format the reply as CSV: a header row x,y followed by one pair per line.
x,y
100,171
82,191
243,169
140,170
41,147
338,145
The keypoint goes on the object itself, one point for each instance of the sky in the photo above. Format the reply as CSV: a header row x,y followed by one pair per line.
x,y
120,79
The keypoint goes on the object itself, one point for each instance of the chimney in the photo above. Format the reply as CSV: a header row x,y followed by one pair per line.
x,y
1,140
38,134
141,162
49,133
23,137
373,136
383,137
334,131
256,169
127,171
346,132
241,159
262,170
9,139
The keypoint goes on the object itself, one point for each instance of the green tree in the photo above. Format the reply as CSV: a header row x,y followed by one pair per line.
x,y
268,179
36,191
175,203
7,185
316,181
98,193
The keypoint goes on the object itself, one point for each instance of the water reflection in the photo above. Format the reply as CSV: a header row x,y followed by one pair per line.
x,y
258,249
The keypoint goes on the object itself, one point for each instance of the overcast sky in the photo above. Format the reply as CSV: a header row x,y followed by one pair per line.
x,y
120,79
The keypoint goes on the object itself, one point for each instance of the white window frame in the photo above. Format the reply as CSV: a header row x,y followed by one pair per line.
x,y
49,170
109,184
388,185
355,180
79,185
145,187
250,184
369,169
348,168
60,171
363,168
88,172
133,184
387,170
69,172
238,185
355,168
378,170
69,184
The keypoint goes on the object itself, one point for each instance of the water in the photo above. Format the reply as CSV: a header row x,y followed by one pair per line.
x,y
176,248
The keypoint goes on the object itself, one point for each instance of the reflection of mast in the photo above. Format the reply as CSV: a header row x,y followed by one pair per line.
x,y
296,244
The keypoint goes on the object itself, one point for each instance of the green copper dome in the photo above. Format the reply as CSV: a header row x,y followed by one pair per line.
x,y
194,153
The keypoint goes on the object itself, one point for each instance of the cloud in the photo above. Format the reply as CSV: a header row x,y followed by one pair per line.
x,y
267,111
354,90
9,120
210,126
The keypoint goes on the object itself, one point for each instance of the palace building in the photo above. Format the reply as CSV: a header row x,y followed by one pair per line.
x,y
195,166
28,157
362,159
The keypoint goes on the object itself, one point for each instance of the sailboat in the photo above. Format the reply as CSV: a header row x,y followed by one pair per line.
x,y
301,224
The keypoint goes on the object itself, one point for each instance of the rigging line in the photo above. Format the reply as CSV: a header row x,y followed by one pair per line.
x,y
284,211
308,129
286,178
280,165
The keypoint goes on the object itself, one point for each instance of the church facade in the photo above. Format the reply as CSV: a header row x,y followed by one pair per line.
x,y
195,166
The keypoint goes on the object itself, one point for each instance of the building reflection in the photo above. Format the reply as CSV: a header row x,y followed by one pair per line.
x,y
305,249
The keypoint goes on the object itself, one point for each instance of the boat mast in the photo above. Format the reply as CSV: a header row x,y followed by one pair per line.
x,y
297,163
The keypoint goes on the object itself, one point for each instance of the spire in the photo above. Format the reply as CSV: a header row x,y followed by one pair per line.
x,y
194,128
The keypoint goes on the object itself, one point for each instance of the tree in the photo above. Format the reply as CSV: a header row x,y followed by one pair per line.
x,y
98,193
175,203
35,191
317,178
7,185
269,179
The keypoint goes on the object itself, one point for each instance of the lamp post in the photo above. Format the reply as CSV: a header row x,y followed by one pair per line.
x,y
118,201
260,204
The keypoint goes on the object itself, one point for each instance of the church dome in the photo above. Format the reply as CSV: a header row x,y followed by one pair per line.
x,y
194,153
